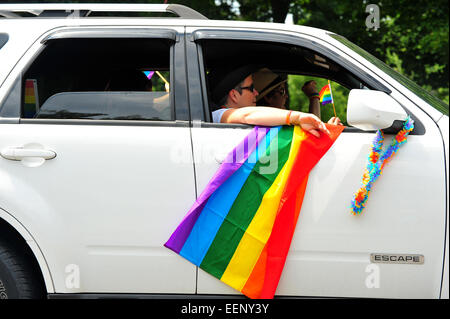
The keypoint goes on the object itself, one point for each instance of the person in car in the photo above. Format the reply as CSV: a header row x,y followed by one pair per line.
x,y
273,92
236,96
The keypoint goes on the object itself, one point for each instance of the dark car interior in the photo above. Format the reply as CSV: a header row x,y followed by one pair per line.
x,y
98,65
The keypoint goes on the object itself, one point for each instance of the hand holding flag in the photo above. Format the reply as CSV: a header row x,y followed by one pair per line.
x,y
326,96
311,124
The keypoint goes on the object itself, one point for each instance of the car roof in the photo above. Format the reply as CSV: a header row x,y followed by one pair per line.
x,y
45,24
65,13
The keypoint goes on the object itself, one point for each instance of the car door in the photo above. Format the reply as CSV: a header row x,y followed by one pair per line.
x,y
101,178
330,253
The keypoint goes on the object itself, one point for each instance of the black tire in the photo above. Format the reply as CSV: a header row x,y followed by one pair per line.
x,y
19,278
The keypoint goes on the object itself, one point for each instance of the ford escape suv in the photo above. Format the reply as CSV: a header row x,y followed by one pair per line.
x,y
106,139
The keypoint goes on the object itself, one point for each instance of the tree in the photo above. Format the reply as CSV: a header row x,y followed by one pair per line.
x,y
413,36
264,10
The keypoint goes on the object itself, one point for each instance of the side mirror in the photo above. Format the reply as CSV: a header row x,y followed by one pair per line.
x,y
371,110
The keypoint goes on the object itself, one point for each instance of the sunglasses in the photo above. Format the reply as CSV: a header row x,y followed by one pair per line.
x,y
251,88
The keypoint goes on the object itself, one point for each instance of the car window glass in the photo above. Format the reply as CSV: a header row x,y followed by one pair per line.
x,y
100,79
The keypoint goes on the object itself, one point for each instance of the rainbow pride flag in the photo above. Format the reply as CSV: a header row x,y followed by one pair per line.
x,y
325,95
31,101
149,74
241,226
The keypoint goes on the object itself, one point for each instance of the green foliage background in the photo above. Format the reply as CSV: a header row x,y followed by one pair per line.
x,y
412,38
298,101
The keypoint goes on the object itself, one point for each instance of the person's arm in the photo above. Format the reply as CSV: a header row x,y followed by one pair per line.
x,y
309,88
314,106
269,116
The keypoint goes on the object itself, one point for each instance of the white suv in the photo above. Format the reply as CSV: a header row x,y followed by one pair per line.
x,y
99,164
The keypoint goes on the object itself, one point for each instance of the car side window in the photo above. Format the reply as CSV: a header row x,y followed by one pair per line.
x,y
294,63
100,79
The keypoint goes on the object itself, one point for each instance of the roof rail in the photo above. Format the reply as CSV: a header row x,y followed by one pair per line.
x,y
84,9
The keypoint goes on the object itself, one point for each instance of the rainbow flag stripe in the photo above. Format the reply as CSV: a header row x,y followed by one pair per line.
x,y
325,95
240,228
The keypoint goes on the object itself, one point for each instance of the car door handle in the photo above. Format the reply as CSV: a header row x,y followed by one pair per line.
x,y
18,153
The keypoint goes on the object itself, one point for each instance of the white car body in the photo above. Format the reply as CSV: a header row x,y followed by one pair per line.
x,y
104,206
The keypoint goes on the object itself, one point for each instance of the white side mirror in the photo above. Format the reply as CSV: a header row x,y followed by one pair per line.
x,y
373,110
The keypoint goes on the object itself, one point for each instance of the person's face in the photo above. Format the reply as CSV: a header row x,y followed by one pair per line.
x,y
279,96
247,97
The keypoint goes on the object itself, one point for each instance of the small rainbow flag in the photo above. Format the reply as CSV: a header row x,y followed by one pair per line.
x,y
325,96
149,74
241,226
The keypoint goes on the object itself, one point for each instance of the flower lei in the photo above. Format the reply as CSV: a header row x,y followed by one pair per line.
x,y
376,163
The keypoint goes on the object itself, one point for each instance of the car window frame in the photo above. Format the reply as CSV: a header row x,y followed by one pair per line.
x,y
11,111
200,34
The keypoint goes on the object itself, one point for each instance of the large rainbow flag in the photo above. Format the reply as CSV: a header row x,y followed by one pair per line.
x,y
240,228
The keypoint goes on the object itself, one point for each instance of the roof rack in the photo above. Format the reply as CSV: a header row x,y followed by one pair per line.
x,y
84,9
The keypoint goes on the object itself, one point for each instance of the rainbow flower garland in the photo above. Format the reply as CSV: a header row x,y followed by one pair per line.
x,y
376,163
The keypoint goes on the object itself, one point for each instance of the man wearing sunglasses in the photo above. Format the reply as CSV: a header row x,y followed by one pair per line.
x,y
236,95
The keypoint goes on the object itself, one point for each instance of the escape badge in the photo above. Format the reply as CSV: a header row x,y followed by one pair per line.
x,y
397,259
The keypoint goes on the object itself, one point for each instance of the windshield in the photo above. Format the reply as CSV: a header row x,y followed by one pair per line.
x,y
413,87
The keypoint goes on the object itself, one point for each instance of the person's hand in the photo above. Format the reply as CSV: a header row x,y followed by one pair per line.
x,y
310,123
335,121
309,88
